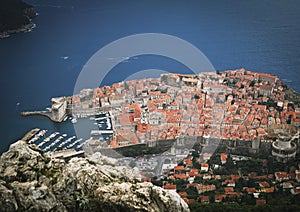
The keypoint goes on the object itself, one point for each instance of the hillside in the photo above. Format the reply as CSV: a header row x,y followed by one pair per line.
x,y
31,180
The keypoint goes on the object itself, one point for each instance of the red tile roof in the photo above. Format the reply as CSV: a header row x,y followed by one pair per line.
x,y
268,190
180,176
169,187
204,199
250,190
204,165
261,201
228,189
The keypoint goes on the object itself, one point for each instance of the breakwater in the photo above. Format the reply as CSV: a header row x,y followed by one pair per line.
x,y
43,113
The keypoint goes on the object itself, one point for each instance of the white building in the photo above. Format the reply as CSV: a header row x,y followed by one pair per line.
x,y
59,107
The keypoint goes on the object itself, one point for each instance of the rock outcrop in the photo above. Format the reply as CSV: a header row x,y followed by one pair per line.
x,y
33,181
15,16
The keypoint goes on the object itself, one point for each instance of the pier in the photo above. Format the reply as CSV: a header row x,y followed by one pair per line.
x,y
44,113
99,132
30,134
56,113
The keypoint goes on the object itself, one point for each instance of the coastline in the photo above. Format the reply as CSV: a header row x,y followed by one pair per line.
x,y
267,95
16,17
24,28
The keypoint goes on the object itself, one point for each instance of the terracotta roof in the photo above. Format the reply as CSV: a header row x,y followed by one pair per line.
x,y
188,161
268,190
182,194
189,201
235,177
228,189
206,187
261,201
281,175
250,190
223,157
180,176
204,199
219,197
264,184
169,187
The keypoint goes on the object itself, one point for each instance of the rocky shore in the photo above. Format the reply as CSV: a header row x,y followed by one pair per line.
x,y
24,28
15,16
31,180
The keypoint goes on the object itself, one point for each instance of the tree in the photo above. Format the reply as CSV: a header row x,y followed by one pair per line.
x,y
196,96
192,192
180,185
252,83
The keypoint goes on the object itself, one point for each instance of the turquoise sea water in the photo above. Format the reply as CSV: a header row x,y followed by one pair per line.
x,y
258,35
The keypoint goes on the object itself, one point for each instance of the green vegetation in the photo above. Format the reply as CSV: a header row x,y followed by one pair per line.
x,y
14,14
137,150
251,165
143,150
192,193
292,96
196,206
196,96
269,103
252,171
82,201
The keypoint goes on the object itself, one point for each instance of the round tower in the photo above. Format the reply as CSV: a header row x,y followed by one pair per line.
x,y
284,149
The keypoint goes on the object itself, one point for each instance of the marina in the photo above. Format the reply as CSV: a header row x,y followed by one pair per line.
x,y
50,141
104,123
54,141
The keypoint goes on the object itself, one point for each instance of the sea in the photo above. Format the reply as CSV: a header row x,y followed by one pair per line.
x,y
259,35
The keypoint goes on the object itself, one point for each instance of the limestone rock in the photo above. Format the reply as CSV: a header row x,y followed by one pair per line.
x,y
138,197
30,180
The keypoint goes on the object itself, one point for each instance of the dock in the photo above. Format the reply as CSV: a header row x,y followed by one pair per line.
x,y
101,118
99,132
30,134
43,113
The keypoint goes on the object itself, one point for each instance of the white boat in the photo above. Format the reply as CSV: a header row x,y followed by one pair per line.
x,y
74,120
80,145
99,118
41,144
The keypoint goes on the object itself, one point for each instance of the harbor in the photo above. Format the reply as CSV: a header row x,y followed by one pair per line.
x,y
43,113
52,141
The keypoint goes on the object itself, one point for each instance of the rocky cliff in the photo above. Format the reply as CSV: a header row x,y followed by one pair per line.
x,y
15,16
33,181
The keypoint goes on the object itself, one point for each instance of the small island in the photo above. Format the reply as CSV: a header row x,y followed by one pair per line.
x,y
15,16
